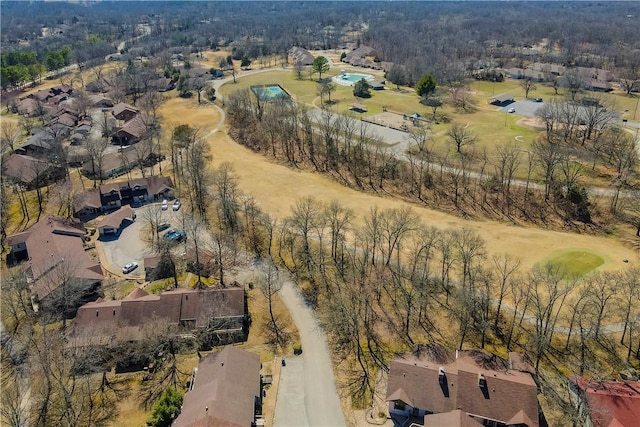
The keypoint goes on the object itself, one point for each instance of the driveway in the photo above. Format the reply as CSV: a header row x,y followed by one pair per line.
x,y
307,394
131,244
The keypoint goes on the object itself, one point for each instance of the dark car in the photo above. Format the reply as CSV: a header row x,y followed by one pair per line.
x,y
538,99
163,226
174,235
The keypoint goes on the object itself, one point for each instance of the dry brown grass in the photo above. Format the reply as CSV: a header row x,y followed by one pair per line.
x,y
277,187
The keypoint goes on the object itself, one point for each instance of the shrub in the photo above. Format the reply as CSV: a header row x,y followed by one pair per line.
x,y
297,349
166,409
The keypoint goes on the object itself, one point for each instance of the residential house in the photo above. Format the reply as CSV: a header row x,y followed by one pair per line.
x,y
38,145
112,164
301,56
606,403
526,73
100,101
225,390
53,255
32,172
131,131
552,70
355,56
120,193
124,112
87,204
29,107
436,380
219,311
112,223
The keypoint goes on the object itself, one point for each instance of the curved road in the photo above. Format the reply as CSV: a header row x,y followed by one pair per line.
x,y
307,394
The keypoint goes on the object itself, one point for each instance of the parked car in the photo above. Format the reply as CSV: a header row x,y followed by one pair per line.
x,y
176,205
128,268
165,205
512,110
538,99
163,226
174,235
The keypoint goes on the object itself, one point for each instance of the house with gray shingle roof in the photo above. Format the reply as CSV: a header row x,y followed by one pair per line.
x,y
436,380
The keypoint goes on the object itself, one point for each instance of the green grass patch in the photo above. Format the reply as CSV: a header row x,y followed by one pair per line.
x,y
576,263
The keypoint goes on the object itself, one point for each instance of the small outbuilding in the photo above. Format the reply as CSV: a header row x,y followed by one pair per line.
x,y
501,99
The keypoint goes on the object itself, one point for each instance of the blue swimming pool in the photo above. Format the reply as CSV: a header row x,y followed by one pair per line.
x,y
349,79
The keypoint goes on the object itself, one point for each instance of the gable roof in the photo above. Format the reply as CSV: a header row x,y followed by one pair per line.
x,y
90,199
611,403
24,169
134,128
505,393
116,218
121,107
55,243
179,305
455,418
225,387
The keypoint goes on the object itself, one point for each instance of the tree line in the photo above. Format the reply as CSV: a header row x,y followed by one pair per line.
x,y
469,182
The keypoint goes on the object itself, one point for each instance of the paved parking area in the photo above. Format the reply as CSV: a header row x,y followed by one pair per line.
x,y
133,242
525,107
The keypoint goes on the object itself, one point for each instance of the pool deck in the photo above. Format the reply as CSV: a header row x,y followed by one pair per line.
x,y
344,82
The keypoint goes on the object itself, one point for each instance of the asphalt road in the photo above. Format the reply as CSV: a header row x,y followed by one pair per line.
x,y
307,394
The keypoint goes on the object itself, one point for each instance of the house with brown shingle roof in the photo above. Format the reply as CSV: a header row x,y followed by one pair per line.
x,y
131,131
436,380
30,171
220,311
124,111
112,224
53,254
606,403
225,390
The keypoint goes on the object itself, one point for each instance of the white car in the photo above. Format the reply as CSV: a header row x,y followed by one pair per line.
x,y
512,110
165,205
176,205
129,267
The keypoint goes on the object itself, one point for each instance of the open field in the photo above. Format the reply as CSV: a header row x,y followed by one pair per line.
x,y
271,185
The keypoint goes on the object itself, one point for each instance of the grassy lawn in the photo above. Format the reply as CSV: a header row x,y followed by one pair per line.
x,y
576,262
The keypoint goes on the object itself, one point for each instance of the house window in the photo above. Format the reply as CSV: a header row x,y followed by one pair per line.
x,y
97,313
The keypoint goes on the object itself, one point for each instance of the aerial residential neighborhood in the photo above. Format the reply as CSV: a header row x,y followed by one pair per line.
x,y
320,214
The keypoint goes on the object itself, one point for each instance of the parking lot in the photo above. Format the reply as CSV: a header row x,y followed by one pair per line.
x,y
133,242
525,107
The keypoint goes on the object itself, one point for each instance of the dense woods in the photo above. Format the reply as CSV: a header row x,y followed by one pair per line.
x,y
445,38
